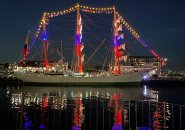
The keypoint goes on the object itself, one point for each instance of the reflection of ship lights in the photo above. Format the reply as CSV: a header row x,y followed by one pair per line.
x,y
44,103
145,90
144,128
16,100
116,103
161,116
78,114
28,123
117,127
150,94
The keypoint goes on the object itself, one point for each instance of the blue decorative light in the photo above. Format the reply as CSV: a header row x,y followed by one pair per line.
x,y
44,39
78,39
144,128
76,128
117,127
41,127
116,41
27,123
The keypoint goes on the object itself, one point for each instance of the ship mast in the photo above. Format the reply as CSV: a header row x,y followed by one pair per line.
x,y
25,50
62,54
116,67
78,43
45,48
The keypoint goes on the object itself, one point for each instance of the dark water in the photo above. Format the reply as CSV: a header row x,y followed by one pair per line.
x,y
92,108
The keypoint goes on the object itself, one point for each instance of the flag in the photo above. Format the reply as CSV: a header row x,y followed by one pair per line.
x,y
122,46
118,20
119,53
80,27
125,58
120,36
120,27
82,47
80,20
82,58
25,49
27,39
121,58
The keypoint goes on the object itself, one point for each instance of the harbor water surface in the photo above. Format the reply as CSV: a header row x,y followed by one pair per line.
x,y
92,108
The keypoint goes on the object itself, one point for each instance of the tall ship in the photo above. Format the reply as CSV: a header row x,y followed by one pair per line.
x,y
77,72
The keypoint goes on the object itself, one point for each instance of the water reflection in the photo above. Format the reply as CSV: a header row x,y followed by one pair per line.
x,y
90,109
78,115
116,103
161,116
150,94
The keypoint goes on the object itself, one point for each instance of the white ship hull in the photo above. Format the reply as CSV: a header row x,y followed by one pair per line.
x,y
57,79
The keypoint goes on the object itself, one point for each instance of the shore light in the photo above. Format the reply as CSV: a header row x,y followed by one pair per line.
x,y
145,77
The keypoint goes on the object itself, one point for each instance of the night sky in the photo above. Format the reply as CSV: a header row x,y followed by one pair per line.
x,y
161,23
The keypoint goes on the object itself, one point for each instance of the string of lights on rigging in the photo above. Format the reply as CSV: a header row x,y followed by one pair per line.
x,y
110,10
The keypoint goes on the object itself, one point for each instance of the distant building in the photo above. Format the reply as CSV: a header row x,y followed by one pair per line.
x,y
142,61
2,67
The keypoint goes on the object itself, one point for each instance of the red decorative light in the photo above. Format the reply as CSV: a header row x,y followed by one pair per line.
x,y
116,103
78,114
44,103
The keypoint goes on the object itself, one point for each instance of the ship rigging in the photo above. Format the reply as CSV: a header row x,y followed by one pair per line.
x,y
118,50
